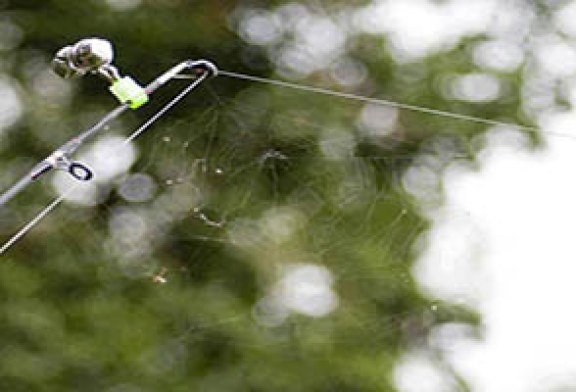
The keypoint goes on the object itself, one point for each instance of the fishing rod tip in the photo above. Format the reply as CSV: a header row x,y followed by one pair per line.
x,y
203,66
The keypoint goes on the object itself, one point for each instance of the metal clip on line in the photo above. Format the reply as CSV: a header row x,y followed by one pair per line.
x,y
95,56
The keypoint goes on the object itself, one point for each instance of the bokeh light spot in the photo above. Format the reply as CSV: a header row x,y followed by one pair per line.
x,y
137,188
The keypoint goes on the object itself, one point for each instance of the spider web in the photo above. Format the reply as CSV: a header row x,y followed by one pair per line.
x,y
268,240
265,232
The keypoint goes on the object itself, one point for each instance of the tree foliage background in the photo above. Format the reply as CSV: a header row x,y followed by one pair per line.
x,y
283,225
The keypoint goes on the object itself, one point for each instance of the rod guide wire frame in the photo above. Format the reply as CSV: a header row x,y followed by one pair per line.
x,y
131,96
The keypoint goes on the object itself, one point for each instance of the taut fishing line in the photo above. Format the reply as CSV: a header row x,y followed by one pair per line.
x,y
375,101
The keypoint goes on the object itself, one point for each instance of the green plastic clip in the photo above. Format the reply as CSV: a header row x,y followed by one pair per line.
x,y
127,90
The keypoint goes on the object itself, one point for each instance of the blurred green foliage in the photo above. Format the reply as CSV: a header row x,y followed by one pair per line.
x,y
80,312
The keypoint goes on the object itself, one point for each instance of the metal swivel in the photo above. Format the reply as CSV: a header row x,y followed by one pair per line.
x,y
90,55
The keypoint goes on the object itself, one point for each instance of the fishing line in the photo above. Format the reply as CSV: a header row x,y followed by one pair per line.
x,y
385,102
167,107
24,230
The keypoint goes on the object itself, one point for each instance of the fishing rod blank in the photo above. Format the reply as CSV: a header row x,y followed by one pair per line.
x,y
95,56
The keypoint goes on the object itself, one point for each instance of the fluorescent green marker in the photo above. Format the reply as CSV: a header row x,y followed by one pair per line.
x,y
127,90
